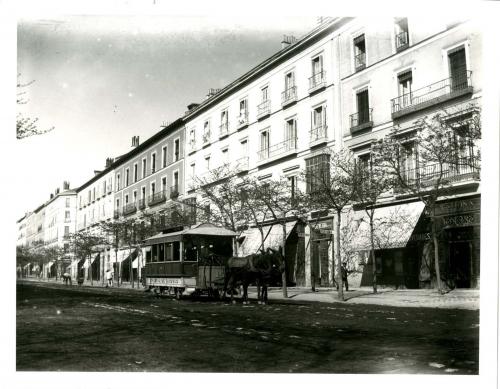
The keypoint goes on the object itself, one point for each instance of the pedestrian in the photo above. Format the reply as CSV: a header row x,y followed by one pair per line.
x,y
109,277
344,275
67,278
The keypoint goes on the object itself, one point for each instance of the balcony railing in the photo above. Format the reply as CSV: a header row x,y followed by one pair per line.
x,y
431,94
157,198
141,204
361,120
129,209
242,119
360,61
318,134
463,169
289,96
402,40
116,214
264,109
317,81
174,191
277,149
241,164
224,129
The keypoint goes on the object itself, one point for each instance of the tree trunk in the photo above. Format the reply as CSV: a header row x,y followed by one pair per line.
x,y
436,253
333,247
372,255
339,262
283,274
117,272
90,269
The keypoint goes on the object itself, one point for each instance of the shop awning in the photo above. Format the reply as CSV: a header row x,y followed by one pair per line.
x,y
202,229
49,264
93,258
27,265
393,226
138,260
273,238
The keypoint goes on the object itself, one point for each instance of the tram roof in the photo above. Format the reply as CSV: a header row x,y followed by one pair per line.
x,y
205,229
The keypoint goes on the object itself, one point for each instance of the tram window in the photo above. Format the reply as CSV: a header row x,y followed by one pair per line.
x,y
154,251
168,252
161,253
148,256
176,249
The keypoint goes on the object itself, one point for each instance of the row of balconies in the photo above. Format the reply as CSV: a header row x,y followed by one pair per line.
x,y
417,100
152,200
109,189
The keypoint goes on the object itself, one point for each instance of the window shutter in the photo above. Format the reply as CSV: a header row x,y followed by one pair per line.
x,y
323,114
320,63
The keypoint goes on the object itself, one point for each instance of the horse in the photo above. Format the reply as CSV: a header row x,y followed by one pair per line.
x,y
66,278
262,269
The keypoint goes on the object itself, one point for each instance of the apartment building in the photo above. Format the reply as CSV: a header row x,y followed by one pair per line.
x,y
94,206
21,228
394,71
276,120
149,182
59,223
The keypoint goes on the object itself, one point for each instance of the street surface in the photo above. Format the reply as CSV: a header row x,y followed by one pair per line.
x,y
63,328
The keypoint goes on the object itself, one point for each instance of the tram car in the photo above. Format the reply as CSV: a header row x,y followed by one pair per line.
x,y
191,261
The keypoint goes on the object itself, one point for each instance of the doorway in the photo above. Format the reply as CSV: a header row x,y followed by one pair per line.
x,y
460,263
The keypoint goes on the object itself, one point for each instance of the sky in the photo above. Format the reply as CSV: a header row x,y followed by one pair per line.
x,y
99,80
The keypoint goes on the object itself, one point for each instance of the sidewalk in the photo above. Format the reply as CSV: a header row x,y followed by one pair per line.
x,y
428,298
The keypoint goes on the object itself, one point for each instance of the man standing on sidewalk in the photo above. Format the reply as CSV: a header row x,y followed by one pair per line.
x,y
109,277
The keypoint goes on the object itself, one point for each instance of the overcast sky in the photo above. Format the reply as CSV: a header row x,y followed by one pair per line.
x,y
99,80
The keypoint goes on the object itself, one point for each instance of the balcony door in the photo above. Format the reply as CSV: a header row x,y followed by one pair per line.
x,y
363,105
458,68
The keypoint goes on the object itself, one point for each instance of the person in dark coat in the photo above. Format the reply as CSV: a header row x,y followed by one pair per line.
x,y
344,275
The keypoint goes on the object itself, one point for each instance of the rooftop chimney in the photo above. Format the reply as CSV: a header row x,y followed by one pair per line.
x,y
109,161
212,92
51,196
287,41
96,172
57,190
135,141
66,185
191,106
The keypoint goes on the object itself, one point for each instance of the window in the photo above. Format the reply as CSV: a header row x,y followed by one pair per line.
x,y
264,93
144,166
66,247
134,196
458,68
143,192
207,163
126,177
290,134
68,200
176,180
264,144
93,193
104,188
363,106
317,65
289,81
206,131
225,155
244,147
153,188
164,156
292,182
66,231
192,139
118,182
243,108
153,163
193,171
177,150
317,173
402,38
408,161
223,118
67,216
164,184
318,117
404,99
117,203
126,199
136,173
359,52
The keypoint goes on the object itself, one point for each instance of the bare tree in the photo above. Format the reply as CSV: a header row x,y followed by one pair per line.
x,y
332,186
426,161
26,126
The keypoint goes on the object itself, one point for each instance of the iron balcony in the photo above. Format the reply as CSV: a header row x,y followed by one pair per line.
x,y
264,109
289,96
317,81
277,149
361,120
157,198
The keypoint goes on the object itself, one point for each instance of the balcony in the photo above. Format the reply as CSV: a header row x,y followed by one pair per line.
x,y
318,135
361,120
289,96
432,94
264,109
129,209
317,81
174,192
242,120
277,150
360,61
157,198
141,204
116,214
463,170
402,41
224,130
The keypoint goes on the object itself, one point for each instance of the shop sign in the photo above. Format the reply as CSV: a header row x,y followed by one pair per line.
x,y
420,237
458,206
325,231
464,220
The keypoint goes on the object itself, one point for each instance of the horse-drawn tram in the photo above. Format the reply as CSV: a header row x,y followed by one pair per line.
x,y
188,261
